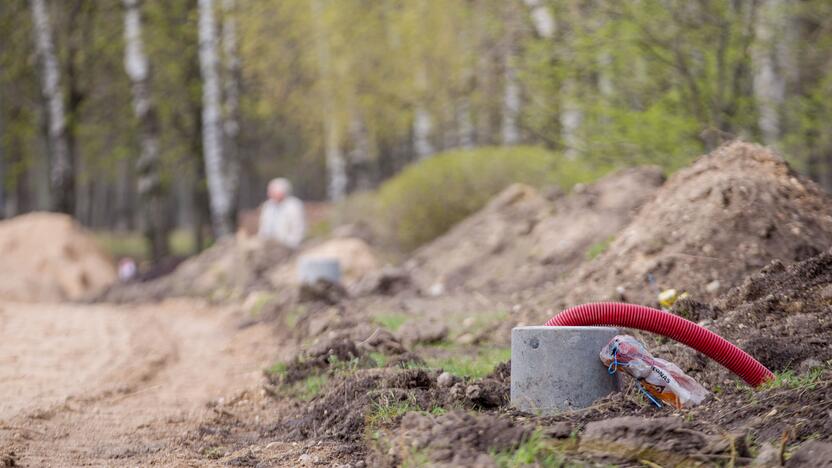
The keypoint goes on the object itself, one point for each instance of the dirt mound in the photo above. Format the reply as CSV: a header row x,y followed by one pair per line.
x,y
356,257
782,316
522,239
50,257
235,268
453,439
230,269
709,226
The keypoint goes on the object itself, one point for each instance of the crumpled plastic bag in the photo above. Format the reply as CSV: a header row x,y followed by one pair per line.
x,y
659,379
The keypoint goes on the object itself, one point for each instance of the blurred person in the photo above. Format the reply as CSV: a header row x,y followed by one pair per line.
x,y
127,269
281,216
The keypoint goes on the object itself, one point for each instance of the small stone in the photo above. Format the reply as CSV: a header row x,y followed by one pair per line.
x,y
305,459
465,338
808,364
713,286
446,380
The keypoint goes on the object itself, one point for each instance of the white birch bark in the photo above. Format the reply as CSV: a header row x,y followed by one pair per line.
x,y
542,19
335,164
231,122
149,183
422,128
61,170
769,75
215,166
511,100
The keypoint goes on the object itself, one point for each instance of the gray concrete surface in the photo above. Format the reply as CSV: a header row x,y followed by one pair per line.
x,y
555,369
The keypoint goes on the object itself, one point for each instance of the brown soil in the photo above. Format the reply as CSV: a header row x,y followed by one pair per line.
x,y
104,386
235,268
521,239
50,257
706,229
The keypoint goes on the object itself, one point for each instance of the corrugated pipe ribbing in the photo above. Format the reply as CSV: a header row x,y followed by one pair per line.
x,y
672,326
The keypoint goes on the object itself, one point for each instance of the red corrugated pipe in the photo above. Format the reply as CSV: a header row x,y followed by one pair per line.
x,y
671,326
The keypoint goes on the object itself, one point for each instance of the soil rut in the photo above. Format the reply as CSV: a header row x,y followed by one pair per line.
x,y
107,385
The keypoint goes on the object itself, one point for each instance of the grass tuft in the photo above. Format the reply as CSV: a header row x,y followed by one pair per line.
x,y
536,451
392,321
472,366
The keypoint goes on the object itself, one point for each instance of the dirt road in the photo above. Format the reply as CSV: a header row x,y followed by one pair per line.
x,y
113,385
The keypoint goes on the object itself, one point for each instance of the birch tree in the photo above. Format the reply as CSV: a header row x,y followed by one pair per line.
x,y
335,164
231,121
212,139
149,182
511,85
768,58
61,173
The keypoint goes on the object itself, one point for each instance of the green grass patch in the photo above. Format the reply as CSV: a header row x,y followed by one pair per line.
x,y
476,366
277,369
310,387
379,358
789,379
385,411
392,321
537,451
598,248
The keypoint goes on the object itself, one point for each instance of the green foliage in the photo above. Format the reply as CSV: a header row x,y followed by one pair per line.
x,y
476,366
392,321
426,199
598,248
277,369
134,245
536,451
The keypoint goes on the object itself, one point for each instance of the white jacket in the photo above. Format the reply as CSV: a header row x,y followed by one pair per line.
x,y
283,221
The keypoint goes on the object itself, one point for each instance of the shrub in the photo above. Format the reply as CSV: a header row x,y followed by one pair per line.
x,y
427,198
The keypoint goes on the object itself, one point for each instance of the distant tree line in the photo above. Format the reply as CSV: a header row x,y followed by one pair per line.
x,y
150,114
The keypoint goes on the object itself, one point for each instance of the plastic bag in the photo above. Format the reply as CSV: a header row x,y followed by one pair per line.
x,y
659,379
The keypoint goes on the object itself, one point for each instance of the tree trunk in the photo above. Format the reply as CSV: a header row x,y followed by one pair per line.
x,y
422,128
511,97
61,173
542,19
360,154
3,175
335,164
149,187
231,124
769,74
215,165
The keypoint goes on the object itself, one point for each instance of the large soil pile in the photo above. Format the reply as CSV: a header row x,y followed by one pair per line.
x,y
710,226
234,268
50,257
521,239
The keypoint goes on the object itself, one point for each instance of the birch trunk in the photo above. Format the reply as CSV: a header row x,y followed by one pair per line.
x,y
61,173
336,166
215,165
231,124
149,182
769,81
422,128
361,154
511,100
542,19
